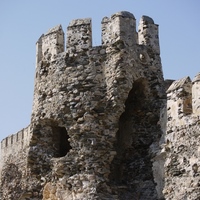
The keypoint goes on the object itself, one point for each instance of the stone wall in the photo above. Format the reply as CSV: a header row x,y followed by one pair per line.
x,y
181,148
14,152
101,125
106,100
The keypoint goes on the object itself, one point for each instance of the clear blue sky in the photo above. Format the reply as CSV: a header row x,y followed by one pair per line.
x,y
22,22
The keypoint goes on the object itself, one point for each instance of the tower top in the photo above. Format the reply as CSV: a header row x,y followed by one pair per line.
x,y
124,14
54,29
147,19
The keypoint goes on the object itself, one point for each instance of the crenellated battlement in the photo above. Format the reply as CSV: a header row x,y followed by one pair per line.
x,y
120,27
148,34
183,98
181,148
20,138
79,35
50,44
14,147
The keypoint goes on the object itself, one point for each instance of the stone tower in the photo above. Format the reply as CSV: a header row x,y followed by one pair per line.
x,y
99,117
95,112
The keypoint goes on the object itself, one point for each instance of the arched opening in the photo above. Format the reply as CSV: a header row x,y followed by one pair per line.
x,y
60,141
49,144
131,169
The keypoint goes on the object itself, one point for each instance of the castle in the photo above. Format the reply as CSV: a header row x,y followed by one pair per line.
x,y
105,124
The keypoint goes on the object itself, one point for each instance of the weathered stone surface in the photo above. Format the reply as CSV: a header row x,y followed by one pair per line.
x,y
102,126
181,146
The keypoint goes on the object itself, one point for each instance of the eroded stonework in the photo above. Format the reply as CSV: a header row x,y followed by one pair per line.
x,y
102,126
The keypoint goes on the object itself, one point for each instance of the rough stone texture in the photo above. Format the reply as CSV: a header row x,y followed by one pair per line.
x,y
14,151
101,125
181,149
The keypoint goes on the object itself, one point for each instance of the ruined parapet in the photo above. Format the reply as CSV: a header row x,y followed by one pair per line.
x,y
50,44
179,102
15,143
183,97
14,154
181,146
196,95
120,27
148,34
79,35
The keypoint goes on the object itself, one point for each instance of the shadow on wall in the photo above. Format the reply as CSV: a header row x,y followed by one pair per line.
x,y
60,141
132,166
49,141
